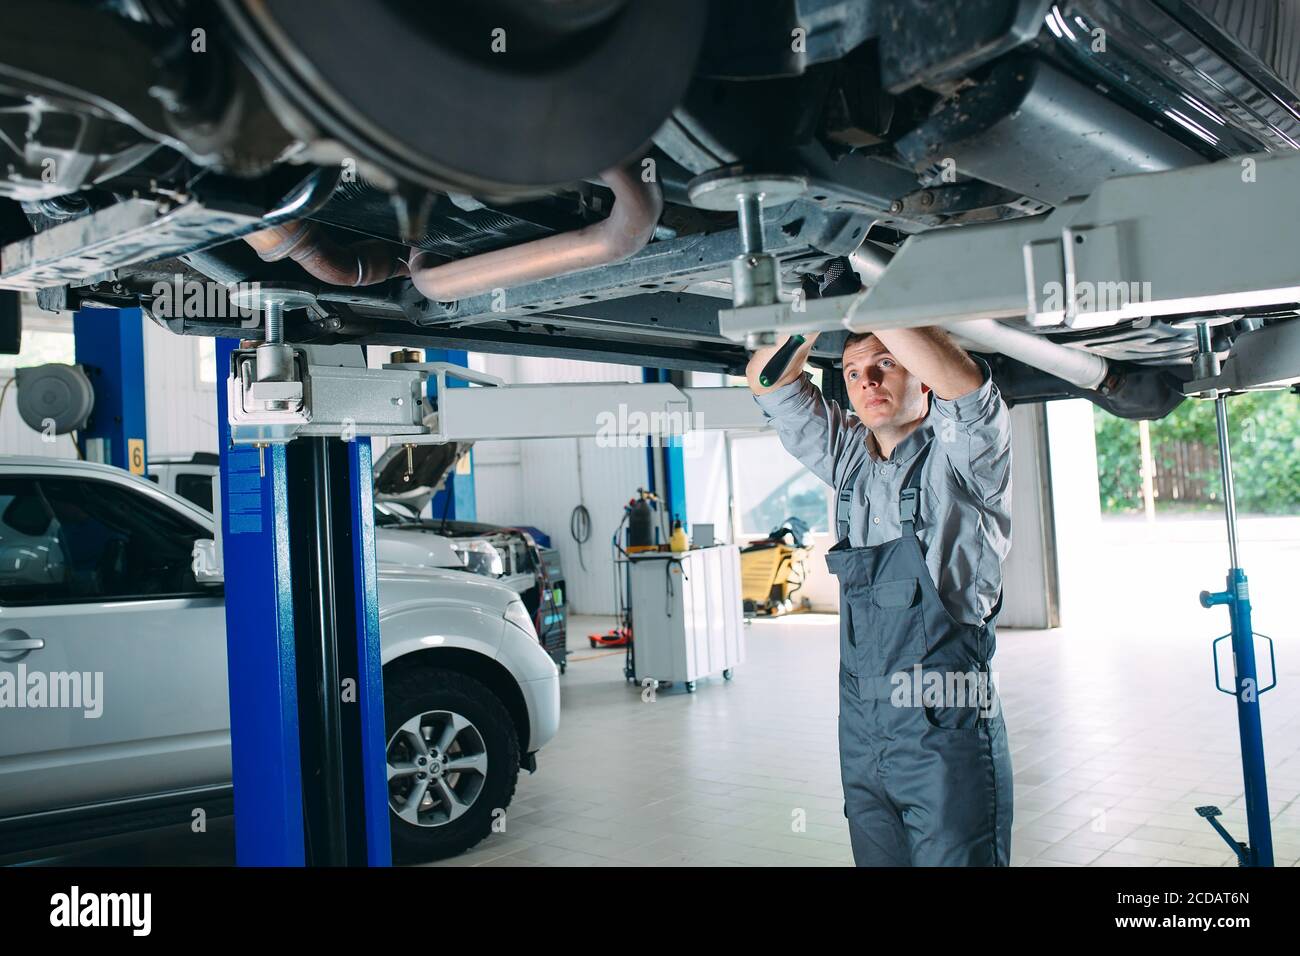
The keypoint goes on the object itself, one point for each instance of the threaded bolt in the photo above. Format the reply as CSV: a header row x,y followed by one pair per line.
x,y
273,317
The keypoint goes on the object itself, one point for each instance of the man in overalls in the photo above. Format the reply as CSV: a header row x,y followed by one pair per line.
x,y
921,467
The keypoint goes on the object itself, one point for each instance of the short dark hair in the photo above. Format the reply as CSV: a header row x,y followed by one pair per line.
x,y
854,338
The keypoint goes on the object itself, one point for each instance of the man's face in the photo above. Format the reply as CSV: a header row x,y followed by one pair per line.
x,y
882,392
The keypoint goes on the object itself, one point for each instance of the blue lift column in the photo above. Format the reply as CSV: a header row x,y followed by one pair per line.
x,y
667,460
456,501
110,346
303,654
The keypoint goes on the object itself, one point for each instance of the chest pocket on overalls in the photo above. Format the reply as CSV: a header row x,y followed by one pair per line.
x,y
888,623
896,595
894,623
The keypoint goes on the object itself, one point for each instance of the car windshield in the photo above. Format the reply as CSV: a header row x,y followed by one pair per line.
x,y
387,517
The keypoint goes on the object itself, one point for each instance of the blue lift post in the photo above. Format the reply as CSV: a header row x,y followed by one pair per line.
x,y
456,501
303,652
667,458
110,346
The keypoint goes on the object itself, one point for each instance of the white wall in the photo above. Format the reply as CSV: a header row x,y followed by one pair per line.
x,y
180,392
704,455
181,411
708,498
17,439
538,482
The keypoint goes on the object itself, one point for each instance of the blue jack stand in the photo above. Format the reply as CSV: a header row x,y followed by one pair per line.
x,y
303,653
1258,851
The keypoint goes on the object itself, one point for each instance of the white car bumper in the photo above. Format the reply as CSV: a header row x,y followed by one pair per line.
x,y
542,698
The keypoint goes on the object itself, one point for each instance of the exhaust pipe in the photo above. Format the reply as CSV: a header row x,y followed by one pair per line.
x,y
366,263
1072,365
627,230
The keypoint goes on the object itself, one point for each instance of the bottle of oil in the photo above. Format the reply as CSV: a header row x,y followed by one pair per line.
x,y
679,543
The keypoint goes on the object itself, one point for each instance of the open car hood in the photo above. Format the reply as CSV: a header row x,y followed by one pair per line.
x,y
429,467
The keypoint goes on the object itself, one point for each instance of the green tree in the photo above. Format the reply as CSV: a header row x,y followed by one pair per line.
x,y
1264,431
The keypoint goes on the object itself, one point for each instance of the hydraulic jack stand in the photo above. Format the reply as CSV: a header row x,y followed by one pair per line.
x,y
1259,850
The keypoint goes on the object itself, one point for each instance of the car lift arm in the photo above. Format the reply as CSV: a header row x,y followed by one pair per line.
x,y
1183,242
354,401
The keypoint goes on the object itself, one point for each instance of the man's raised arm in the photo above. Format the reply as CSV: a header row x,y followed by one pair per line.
x,y
817,432
792,371
931,355
973,420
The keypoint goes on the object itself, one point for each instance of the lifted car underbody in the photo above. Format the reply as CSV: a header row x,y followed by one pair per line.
x,y
524,176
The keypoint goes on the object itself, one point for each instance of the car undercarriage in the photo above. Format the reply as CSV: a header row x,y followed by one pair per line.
x,y
532,176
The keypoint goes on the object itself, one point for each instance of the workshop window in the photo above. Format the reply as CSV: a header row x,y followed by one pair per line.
x,y
67,540
41,346
769,486
205,354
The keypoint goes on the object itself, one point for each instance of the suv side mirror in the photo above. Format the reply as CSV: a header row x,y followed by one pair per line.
x,y
204,562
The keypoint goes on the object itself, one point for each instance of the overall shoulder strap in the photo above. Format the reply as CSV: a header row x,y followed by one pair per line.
x,y
909,497
844,501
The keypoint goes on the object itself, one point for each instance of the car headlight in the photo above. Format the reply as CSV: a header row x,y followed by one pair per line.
x,y
479,557
517,615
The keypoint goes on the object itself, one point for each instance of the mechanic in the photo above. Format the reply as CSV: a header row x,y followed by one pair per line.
x,y
921,467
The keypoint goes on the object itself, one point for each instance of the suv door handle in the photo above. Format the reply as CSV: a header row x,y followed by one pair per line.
x,y
16,640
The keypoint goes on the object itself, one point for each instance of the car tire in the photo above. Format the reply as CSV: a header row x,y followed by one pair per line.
x,y
423,697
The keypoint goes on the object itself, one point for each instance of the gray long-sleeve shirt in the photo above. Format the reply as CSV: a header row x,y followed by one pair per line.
x,y
964,524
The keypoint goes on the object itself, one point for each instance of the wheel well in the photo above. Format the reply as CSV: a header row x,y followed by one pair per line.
x,y
481,668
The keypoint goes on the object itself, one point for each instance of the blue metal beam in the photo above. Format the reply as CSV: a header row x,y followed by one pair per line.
x,y
457,500
110,346
671,460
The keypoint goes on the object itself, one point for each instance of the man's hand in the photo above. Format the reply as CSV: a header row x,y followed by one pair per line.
x,y
792,371
931,355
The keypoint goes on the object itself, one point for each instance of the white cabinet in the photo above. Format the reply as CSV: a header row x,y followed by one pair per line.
x,y
687,617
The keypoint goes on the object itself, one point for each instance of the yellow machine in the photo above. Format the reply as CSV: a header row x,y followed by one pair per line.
x,y
772,570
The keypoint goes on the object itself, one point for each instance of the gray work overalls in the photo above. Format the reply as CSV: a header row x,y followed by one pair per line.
x,y
923,785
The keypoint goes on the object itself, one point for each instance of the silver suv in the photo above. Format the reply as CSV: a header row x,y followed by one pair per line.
x,y
113,671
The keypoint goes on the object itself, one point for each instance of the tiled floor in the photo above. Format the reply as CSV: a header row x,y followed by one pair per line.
x,y
1115,727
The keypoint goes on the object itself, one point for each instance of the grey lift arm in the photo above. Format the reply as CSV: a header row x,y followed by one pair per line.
x,y
346,400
